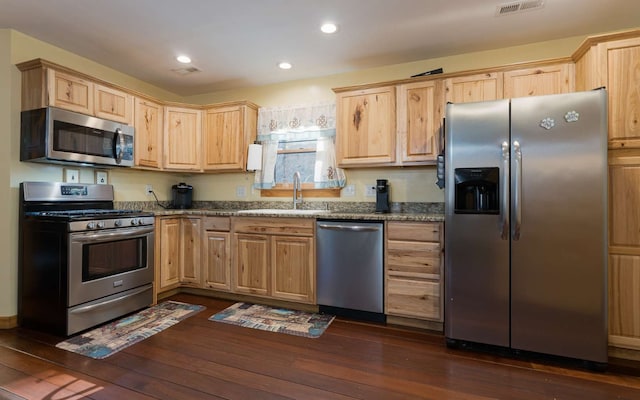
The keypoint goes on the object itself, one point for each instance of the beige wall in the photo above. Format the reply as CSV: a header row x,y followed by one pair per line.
x,y
407,184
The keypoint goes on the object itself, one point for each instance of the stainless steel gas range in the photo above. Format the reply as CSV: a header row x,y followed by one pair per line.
x,y
81,262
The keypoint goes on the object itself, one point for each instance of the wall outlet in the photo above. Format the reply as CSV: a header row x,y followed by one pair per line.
x,y
349,191
241,191
148,189
370,191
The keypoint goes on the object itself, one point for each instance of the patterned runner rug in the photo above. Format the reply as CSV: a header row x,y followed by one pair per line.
x,y
110,338
272,319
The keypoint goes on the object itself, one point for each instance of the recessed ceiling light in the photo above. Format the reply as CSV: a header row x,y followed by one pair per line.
x,y
183,59
329,28
285,65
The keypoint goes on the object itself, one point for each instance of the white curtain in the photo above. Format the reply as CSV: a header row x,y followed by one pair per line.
x,y
296,123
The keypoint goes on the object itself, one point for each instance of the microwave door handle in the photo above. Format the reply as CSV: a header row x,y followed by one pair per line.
x,y
119,149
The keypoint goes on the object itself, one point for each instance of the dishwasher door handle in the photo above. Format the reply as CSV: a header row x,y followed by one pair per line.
x,y
351,228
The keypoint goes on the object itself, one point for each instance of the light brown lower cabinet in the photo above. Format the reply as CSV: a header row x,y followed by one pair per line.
x,y
274,257
624,250
216,253
413,270
178,251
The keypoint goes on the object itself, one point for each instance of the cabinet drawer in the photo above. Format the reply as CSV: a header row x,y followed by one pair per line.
x,y
411,231
284,226
413,259
222,224
417,299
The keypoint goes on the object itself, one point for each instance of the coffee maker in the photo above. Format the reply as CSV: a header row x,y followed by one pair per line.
x,y
382,196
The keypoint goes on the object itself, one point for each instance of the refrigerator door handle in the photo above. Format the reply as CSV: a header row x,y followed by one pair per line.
x,y
517,195
504,202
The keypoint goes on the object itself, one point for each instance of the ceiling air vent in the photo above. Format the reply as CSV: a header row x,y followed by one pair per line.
x,y
185,70
519,6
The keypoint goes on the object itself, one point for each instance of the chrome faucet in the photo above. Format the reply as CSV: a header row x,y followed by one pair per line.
x,y
297,190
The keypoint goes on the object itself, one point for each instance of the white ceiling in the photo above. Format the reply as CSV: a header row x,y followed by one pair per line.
x,y
237,43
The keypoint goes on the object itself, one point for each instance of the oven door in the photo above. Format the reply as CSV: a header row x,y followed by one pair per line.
x,y
107,262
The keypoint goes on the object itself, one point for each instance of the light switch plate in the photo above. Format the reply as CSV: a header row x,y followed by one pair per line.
x,y
71,175
241,191
349,191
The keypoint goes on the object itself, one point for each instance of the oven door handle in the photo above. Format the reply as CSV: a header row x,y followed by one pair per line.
x,y
117,234
92,307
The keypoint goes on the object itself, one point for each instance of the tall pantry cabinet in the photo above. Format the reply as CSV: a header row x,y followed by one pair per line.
x,y
613,61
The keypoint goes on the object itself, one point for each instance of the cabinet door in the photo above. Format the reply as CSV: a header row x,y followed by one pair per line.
x,y
366,127
538,81
419,116
217,260
113,104
182,138
190,234
69,92
169,230
224,144
293,268
479,87
623,66
624,249
148,133
251,255
624,301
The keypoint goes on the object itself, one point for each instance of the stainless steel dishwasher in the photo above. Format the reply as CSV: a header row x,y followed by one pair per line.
x,y
350,269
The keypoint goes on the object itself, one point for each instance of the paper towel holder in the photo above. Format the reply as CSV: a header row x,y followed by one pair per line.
x,y
254,157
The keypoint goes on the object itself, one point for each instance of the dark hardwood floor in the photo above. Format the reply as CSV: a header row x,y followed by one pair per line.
x,y
200,359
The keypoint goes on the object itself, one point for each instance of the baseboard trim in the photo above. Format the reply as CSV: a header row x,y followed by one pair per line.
x,y
9,322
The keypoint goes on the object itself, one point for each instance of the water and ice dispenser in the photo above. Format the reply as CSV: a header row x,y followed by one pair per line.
x,y
476,190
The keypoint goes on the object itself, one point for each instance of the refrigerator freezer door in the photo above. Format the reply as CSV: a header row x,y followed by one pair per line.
x,y
558,273
476,254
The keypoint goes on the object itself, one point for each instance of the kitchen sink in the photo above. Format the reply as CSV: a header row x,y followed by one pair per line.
x,y
280,211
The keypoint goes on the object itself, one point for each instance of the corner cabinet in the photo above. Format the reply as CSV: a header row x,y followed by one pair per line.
x,y
228,131
366,127
177,249
413,270
148,133
274,257
182,138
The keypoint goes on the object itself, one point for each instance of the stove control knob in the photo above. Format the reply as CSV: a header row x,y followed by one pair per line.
x,y
117,222
91,225
134,221
100,224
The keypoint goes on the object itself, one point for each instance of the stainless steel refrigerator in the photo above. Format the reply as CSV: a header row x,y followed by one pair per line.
x,y
526,224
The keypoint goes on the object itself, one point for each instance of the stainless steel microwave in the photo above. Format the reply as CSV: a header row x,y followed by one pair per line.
x,y
64,137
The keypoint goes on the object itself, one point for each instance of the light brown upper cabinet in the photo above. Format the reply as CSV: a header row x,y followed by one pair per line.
x,y
148,133
419,116
476,87
182,138
228,131
615,64
112,104
366,127
69,92
43,85
539,81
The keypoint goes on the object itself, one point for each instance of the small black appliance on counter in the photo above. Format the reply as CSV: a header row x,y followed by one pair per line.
x,y
382,196
182,195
